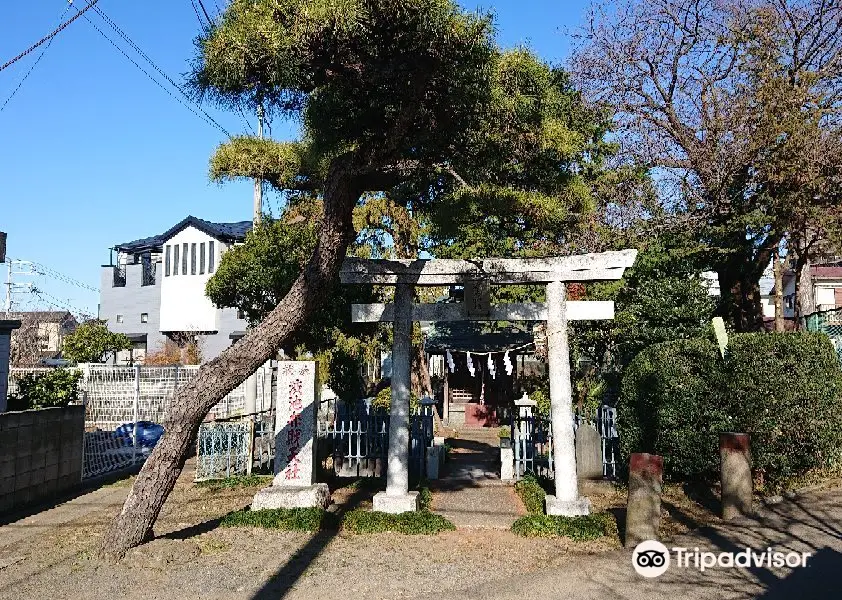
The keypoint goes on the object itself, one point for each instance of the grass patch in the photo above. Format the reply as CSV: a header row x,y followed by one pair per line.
x,y
211,545
287,519
581,529
238,481
532,494
422,522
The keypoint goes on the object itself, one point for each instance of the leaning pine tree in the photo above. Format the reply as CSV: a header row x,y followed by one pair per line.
x,y
384,90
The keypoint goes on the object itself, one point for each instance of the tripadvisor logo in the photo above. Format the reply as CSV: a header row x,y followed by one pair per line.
x,y
652,559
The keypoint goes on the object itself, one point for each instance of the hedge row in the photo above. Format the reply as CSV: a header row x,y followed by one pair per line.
x,y
785,389
422,522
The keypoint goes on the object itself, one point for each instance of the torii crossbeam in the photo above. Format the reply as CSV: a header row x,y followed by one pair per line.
x,y
476,275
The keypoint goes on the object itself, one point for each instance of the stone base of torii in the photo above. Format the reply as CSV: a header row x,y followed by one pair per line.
x,y
476,276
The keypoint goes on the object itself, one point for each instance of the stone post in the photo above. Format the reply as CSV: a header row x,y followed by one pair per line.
x,y
566,501
737,485
397,498
6,327
588,452
643,512
295,484
250,406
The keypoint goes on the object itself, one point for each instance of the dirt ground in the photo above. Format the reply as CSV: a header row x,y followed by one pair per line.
x,y
51,554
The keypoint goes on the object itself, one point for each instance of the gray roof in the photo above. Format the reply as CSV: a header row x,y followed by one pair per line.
x,y
226,232
44,316
462,336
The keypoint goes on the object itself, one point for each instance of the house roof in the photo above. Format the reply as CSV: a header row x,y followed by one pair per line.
x,y
43,316
225,232
822,271
474,337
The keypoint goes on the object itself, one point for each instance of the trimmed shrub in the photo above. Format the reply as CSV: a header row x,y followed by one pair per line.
x,y
422,522
784,389
287,519
589,527
670,405
531,494
57,387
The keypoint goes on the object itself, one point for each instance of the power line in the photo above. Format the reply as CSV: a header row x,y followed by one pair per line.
x,y
207,16
49,36
145,56
60,304
47,271
37,60
196,11
206,119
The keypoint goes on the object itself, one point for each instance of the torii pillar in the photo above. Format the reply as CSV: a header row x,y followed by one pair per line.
x,y
556,311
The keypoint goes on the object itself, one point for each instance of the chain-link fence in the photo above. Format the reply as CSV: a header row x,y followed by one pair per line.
x,y
125,408
828,322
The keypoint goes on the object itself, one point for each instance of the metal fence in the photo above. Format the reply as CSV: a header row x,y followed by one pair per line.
x,y
356,440
532,442
828,322
239,446
122,401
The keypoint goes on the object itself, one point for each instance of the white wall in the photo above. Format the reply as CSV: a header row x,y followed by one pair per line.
x,y
825,293
184,305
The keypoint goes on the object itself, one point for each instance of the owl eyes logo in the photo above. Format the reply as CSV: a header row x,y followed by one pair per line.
x,y
651,558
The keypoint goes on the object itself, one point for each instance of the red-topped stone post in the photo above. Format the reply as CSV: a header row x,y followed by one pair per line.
x,y
737,485
643,513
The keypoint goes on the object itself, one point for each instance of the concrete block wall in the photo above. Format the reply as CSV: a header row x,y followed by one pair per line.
x,y
40,455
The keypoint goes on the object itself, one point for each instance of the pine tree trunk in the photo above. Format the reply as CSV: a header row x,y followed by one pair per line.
x,y
133,525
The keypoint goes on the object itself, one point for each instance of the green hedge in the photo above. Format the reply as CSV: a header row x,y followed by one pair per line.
x,y
421,522
584,528
287,519
532,494
787,393
57,387
784,389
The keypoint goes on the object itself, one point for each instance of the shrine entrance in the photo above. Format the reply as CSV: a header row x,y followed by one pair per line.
x,y
477,276
478,370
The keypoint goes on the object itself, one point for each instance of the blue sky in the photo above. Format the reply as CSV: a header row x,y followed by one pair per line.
x,y
93,153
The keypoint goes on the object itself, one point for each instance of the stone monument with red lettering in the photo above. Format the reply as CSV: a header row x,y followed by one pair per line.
x,y
295,484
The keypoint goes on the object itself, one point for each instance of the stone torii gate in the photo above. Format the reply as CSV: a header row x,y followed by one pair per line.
x,y
477,276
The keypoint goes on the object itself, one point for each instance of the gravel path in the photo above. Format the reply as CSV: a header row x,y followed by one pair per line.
x,y
471,494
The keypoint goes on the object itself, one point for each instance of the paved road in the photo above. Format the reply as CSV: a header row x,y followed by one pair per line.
x,y
810,523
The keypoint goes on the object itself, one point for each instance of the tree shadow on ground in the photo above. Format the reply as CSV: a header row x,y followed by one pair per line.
x,y
288,575
818,580
704,495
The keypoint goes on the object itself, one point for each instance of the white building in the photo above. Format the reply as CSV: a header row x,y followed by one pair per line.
x,y
155,289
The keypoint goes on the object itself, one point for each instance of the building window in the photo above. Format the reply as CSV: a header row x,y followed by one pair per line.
x,y
192,259
240,314
184,248
211,257
175,259
167,261
119,318
202,258
144,317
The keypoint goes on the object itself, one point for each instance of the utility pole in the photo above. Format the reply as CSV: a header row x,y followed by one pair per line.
x,y
9,287
16,288
258,181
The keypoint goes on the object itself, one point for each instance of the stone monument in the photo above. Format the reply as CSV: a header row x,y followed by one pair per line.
x,y
295,484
